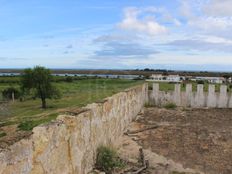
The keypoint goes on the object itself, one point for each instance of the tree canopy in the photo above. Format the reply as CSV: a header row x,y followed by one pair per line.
x,y
39,79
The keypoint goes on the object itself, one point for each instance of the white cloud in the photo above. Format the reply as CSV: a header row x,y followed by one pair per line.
x,y
211,23
218,8
208,17
186,9
147,24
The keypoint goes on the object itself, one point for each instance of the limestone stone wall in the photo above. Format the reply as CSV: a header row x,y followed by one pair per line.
x,y
189,98
68,145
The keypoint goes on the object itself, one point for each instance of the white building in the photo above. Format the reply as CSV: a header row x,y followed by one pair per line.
x,y
218,80
165,78
230,80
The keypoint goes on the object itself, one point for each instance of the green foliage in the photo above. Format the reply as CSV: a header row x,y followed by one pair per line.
x,y
30,124
10,79
39,79
107,159
75,94
200,82
170,106
2,134
7,93
69,79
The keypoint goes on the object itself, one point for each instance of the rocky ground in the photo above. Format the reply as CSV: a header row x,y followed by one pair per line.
x,y
182,141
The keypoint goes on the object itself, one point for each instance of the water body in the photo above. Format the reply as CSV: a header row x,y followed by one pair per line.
x,y
111,76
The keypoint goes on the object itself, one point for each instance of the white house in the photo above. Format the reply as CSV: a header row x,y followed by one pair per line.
x,y
218,80
165,78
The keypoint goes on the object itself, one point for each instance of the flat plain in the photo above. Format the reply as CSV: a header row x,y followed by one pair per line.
x,y
18,118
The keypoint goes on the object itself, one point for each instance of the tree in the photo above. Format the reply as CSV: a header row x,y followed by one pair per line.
x,y
39,79
11,93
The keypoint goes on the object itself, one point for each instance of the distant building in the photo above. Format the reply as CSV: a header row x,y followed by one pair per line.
x,y
165,78
230,80
218,80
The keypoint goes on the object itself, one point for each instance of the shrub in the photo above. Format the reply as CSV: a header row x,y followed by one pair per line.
x,y
107,159
7,93
170,106
150,87
2,134
69,79
201,82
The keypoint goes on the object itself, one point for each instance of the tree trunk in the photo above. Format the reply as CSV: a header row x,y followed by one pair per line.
x,y
44,105
13,98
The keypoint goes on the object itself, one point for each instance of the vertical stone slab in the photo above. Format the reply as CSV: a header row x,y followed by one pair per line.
x,y
155,94
177,95
189,95
212,98
146,93
230,101
199,98
223,98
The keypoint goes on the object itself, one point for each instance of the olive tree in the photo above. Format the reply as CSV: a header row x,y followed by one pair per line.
x,y
39,79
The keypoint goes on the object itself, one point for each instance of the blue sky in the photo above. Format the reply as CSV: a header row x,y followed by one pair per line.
x,y
122,34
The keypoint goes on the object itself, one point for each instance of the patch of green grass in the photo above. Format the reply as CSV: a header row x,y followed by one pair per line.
x,y
164,86
167,86
107,159
29,125
170,106
2,134
78,93
7,123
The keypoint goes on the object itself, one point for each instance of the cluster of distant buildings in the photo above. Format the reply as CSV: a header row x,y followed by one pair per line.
x,y
178,78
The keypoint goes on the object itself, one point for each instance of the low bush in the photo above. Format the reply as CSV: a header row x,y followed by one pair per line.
x,y
2,134
7,93
170,106
107,159
201,82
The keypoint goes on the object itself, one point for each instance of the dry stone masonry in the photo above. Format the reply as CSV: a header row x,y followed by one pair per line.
x,y
68,145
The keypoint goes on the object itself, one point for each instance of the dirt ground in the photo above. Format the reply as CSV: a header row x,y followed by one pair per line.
x,y
199,139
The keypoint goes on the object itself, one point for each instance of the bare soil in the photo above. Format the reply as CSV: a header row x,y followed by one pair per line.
x,y
200,139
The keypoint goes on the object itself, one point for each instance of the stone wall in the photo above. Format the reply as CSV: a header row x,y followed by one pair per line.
x,y
188,98
68,145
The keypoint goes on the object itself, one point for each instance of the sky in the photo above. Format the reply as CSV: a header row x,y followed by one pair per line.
x,y
119,34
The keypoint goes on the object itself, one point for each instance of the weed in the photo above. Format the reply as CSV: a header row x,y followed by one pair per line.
x,y
107,159
170,106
